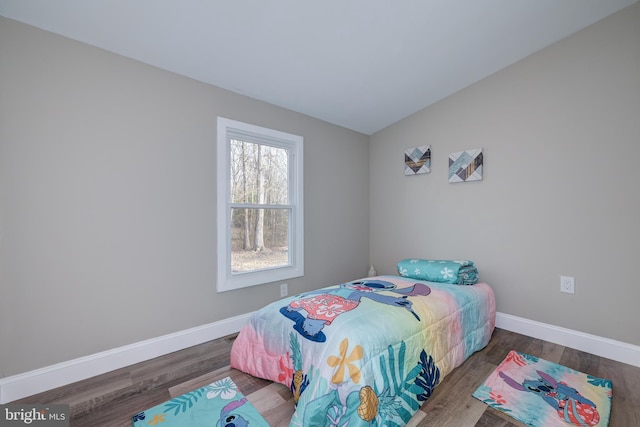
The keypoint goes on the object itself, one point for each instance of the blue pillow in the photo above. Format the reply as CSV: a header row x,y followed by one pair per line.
x,y
444,271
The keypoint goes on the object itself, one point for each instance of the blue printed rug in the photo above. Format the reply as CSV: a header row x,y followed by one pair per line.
x,y
540,393
219,404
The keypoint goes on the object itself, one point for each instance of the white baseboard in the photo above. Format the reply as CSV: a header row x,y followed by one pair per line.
x,y
47,378
603,347
39,380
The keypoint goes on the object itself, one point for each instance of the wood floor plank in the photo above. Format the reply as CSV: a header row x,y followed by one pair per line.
x,y
626,391
452,398
200,381
280,416
267,397
580,361
541,349
274,402
493,418
417,419
501,342
120,411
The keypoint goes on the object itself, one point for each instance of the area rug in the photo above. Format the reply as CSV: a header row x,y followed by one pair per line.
x,y
219,404
540,393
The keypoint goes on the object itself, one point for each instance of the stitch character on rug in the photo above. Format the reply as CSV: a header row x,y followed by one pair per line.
x,y
570,405
229,419
323,307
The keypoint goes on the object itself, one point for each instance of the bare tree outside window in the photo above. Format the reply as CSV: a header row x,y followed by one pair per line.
x,y
260,212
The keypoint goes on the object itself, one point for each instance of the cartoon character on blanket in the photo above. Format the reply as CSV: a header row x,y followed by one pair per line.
x,y
364,352
570,405
315,310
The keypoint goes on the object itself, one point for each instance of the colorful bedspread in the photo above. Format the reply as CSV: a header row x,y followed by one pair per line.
x,y
367,352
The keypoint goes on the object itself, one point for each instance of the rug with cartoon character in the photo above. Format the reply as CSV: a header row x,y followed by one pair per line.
x,y
540,393
219,404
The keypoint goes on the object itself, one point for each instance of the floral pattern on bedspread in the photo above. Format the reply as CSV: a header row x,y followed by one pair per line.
x,y
367,352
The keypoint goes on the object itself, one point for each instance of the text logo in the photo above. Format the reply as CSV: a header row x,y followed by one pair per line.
x,y
26,414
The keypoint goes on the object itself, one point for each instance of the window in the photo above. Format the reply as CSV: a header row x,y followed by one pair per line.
x,y
260,205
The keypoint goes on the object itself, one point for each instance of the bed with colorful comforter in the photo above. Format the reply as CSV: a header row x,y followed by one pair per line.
x,y
367,352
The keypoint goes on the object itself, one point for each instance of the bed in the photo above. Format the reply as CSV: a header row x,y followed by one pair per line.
x,y
366,352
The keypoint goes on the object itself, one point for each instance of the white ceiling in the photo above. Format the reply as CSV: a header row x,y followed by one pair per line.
x,y
361,64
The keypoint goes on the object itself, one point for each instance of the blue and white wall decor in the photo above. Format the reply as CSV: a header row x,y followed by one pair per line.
x,y
417,160
466,165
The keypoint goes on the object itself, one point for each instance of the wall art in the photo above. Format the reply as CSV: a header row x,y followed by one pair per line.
x,y
417,160
466,165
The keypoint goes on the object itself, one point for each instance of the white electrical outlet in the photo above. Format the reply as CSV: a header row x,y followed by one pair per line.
x,y
567,284
284,290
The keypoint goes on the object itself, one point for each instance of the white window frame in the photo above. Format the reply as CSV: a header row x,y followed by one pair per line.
x,y
227,280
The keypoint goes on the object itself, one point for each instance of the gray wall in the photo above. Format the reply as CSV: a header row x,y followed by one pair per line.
x,y
107,200
561,138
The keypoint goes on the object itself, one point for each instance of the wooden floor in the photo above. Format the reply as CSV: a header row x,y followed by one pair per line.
x,y
113,398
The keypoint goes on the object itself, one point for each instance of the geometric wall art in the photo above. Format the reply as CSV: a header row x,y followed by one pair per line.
x,y
417,160
465,165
